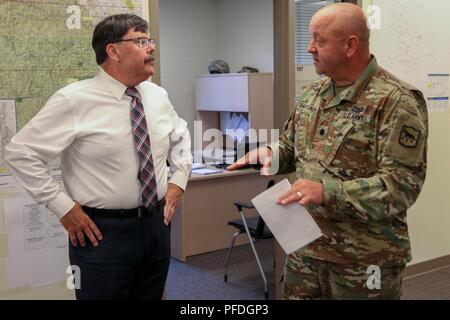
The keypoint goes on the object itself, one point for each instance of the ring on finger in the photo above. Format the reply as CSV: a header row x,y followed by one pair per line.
x,y
300,195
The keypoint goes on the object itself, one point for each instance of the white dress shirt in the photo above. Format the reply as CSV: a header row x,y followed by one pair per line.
x,y
89,124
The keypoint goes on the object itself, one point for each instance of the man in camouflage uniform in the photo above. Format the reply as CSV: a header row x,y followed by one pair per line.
x,y
357,142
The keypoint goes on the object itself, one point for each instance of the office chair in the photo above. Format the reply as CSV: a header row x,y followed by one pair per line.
x,y
256,229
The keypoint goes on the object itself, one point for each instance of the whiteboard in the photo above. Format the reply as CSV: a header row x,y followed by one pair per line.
x,y
413,43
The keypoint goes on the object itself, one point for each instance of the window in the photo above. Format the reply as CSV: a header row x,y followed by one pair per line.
x,y
304,10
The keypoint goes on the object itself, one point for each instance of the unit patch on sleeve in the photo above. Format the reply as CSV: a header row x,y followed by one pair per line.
x,y
409,137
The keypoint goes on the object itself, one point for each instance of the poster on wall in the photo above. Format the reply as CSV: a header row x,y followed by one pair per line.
x,y
45,45
437,92
37,243
409,46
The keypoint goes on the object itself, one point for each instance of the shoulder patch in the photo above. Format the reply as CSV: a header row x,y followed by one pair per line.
x,y
409,137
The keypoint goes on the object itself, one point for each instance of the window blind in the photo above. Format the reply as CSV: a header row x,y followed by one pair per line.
x,y
304,10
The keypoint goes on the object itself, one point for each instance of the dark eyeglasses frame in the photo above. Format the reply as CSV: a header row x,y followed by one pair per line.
x,y
139,41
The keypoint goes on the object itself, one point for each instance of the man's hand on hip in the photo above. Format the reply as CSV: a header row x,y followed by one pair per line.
x,y
173,198
261,156
304,192
78,224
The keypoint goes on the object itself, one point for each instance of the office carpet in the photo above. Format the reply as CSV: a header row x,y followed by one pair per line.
x,y
434,285
201,277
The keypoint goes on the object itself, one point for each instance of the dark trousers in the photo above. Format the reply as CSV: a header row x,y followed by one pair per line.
x,y
131,262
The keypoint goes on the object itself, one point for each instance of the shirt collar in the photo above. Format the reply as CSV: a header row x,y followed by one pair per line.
x,y
351,93
114,86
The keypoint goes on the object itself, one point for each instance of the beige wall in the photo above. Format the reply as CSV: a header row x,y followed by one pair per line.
x,y
245,33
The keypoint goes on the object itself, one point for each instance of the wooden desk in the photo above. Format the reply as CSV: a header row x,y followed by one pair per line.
x,y
200,224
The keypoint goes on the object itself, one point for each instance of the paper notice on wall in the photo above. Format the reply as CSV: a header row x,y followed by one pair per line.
x,y
8,127
437,104
37,243
437,92
7,182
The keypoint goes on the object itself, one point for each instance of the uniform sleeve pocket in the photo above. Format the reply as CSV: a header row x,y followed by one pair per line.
x,y
337,143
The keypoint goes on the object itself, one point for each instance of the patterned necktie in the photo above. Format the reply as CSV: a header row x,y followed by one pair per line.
x,y
146,173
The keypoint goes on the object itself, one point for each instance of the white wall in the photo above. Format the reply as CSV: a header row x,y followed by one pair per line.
x,y
188,36
409,44
245,33
193,33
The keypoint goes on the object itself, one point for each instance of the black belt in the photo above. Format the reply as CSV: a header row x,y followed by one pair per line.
x,y
139,212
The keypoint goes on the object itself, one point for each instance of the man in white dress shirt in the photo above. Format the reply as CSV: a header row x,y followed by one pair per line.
x,y
114,133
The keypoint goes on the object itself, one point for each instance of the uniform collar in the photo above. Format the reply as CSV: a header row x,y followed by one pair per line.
x,y
351,93
114,86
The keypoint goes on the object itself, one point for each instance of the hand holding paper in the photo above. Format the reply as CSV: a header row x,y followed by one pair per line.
x,y
291,224
304,192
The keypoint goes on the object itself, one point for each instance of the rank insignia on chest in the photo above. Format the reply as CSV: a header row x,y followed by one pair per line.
x,y
356,113
409,137
358,109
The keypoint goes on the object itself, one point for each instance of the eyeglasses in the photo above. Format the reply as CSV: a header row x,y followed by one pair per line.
x,y
141,42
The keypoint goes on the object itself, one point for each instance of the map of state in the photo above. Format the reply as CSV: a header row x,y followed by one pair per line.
x,y
45,45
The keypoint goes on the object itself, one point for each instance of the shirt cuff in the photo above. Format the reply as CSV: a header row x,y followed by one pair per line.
x,y
180,179
332,192
61,204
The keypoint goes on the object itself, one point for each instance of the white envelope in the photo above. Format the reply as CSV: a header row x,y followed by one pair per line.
x,y
292,225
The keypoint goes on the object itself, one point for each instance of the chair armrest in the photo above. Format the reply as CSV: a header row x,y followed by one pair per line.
x,y
241,205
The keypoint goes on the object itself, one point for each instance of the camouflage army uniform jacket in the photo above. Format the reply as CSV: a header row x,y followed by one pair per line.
x,y
368,147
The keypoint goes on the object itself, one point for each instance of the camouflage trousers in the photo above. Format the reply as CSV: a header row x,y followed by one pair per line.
x,y
309,278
